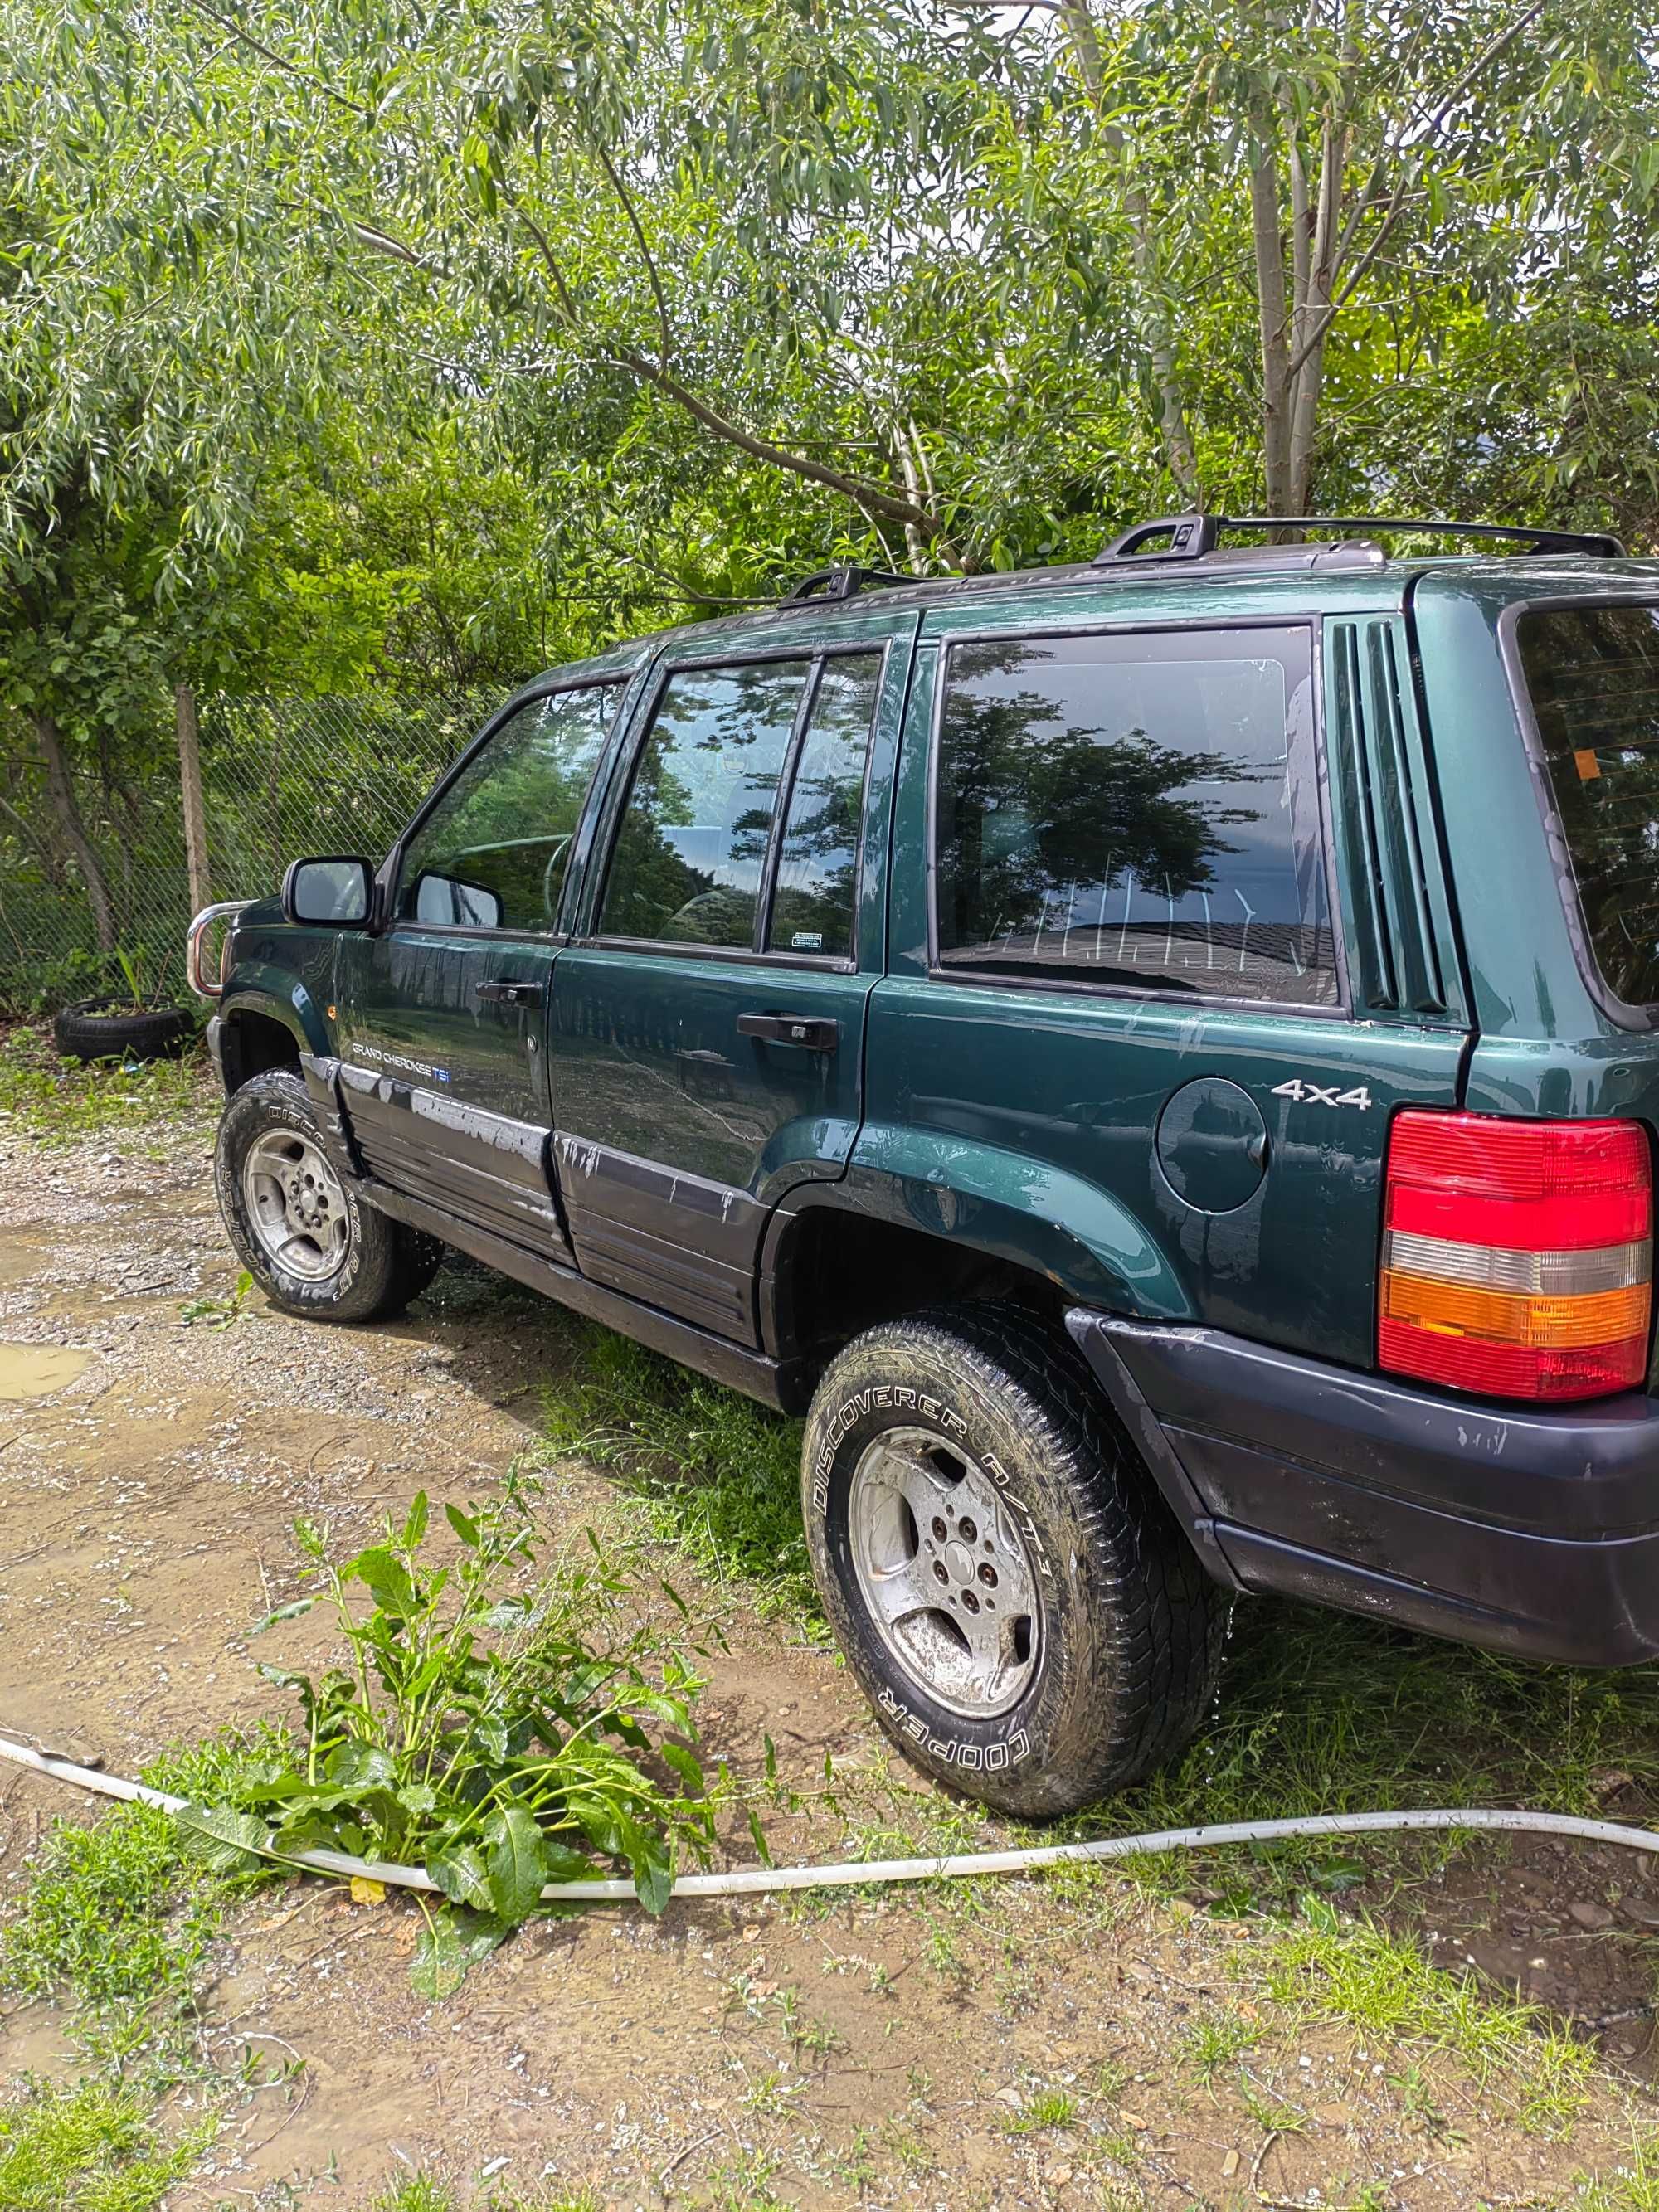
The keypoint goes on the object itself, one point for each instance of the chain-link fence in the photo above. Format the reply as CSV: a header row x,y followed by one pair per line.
x,y
280,778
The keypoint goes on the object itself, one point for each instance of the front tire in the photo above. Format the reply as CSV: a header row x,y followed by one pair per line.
x,y
300,1229
1030,1626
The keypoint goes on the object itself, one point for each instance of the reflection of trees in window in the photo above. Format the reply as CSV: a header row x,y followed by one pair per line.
x,y
818,864
1072,832
507,822
686,866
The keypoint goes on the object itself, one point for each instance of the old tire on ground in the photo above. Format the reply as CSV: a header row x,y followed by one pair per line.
x,y
1030,1624
104,1028
300,1229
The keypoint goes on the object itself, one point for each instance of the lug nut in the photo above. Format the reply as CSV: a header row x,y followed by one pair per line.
x,y
987,1574
966,1529
939,1574
940,1531
970,1600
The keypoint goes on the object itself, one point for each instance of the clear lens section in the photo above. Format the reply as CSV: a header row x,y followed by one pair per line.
x,y
1536,1274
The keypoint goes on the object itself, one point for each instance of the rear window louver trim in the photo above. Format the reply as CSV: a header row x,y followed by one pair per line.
x,y
1393,904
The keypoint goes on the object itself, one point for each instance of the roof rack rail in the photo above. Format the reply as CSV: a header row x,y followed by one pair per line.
x,y
1193,537
844,581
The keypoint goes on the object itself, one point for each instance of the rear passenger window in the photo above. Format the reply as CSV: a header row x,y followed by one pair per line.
x,y
817,863
688,859
1135,810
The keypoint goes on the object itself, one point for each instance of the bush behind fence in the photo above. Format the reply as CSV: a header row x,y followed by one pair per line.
x,y
280,778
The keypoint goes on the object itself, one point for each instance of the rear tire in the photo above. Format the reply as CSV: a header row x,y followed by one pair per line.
x,y
300,1229
960,1460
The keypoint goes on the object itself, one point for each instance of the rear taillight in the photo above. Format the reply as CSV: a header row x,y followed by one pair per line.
x,y
1516,1256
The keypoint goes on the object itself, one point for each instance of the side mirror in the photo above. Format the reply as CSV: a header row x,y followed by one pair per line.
x,y
332,894
455,904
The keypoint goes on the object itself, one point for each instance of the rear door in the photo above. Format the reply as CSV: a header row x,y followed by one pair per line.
x,y
442,1016
1139,1008
708,1027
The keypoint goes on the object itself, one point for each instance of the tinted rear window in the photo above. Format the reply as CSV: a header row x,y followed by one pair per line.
x,y
1593,673
1136,811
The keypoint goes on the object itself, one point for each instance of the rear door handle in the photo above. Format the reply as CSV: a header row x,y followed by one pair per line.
x,y
811,1033
511,995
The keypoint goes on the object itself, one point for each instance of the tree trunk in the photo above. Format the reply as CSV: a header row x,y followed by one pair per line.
x,y
189,788
1269,243
61,792
1143,249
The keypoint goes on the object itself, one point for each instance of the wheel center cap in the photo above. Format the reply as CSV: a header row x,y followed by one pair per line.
x,y
960,1560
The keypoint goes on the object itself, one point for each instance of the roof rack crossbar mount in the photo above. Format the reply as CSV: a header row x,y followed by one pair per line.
x,y
844,581
1194,536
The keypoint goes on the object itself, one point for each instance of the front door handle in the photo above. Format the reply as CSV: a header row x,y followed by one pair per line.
x,y
511,995
812,1033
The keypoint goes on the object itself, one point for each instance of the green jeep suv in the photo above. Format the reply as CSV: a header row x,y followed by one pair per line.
x,y
1157,1058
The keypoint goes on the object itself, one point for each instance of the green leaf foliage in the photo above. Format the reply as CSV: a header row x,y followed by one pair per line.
x,y
489,1722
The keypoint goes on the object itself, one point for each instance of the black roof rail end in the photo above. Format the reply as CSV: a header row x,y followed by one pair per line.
x,y
1194,536
843,581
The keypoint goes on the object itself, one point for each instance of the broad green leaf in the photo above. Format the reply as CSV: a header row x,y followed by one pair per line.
x,y
464,1525
516,1858
227,1842
460,1872
453,1940
292,1612
415,1522
763,1849
387,1582
357,1766
686,1765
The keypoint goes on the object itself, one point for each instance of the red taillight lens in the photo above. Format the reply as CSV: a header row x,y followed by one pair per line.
x,y
1516,1256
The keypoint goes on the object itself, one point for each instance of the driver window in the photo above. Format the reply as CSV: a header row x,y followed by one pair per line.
x,y
687,864
493,852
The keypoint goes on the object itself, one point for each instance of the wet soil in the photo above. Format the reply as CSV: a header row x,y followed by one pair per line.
x,y
887,2050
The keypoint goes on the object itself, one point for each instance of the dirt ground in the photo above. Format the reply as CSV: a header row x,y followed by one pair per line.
x,y
888,2050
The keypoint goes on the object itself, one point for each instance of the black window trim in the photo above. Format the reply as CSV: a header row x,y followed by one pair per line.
x,y
983,978
390,871
815,654
1621,1012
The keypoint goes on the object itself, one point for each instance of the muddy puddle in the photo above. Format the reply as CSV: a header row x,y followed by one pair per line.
x,y
35,1370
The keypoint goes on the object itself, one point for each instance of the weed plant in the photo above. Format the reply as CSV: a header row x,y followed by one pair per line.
x,y
476,1730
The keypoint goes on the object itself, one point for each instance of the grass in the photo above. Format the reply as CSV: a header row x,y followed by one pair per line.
x,y
1049,2108
90,2149
420,2192
711,1473
113,1926
59,1103
118,1915
1385,1988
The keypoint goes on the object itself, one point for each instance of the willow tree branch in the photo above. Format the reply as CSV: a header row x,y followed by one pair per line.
x,y
1398,198
305,76
649,259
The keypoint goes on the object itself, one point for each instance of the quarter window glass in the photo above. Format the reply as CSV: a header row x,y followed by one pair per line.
x,y
1138,812
817,863
492,853
1594,675
687,863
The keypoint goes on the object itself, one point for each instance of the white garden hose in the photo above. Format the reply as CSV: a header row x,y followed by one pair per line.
x,y
755,1881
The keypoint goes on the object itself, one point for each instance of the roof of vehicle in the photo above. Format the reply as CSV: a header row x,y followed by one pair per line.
x,y
1332,574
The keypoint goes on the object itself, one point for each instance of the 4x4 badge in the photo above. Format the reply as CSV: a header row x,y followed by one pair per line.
x,y
1316,1094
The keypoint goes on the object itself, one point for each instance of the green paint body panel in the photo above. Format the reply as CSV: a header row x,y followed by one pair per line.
x,y
1166,1159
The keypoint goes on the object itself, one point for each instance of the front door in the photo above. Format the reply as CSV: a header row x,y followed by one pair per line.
x,y
443,1016
708,1029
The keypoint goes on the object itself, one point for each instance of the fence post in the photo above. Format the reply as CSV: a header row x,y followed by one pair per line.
x,y
190,786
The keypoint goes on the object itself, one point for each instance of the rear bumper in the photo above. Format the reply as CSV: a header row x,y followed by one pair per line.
x,y
1531,1532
